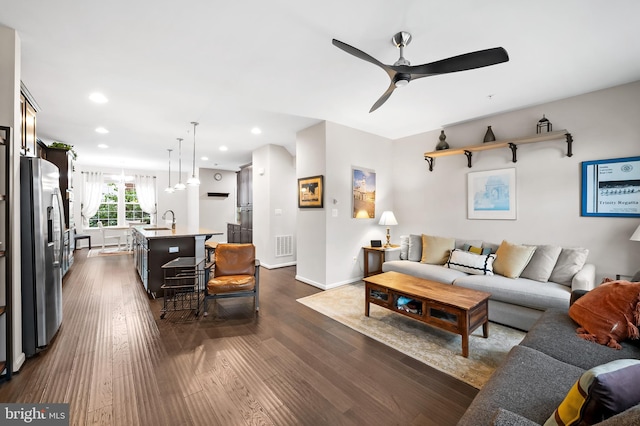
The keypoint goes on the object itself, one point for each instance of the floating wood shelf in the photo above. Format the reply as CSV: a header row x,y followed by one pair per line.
x,y
218,194
508,143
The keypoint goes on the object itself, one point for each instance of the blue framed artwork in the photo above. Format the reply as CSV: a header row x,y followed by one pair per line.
x,y
492,194
611,188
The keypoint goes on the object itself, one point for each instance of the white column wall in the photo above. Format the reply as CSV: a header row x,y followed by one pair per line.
x,y
10,116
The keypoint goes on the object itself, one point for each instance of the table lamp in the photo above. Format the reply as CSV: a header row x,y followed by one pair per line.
x,y
388,219
636,237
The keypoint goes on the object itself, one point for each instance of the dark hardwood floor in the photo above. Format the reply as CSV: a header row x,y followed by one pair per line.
x,y
117,363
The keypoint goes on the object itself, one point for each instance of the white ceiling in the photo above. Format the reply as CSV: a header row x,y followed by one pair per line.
x,y
235,65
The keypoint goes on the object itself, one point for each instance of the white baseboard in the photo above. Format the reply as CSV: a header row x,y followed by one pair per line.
x,y
278,265
327,286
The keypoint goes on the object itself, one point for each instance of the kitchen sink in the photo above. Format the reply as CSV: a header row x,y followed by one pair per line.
x,y
156,228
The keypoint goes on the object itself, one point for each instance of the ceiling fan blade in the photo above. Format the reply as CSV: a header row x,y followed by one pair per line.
x,y
468,61
360,54
383,98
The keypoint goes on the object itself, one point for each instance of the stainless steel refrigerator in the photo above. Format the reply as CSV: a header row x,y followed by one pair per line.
x,y
42,228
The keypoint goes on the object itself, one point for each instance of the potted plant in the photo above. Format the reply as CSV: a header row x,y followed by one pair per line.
x,y
66,147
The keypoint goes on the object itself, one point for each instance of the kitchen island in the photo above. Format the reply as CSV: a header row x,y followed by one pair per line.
x,y
153,246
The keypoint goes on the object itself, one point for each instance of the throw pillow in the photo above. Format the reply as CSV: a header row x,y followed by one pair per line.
x,y
471,263
600,393
404,247
541,264
511,259
570,262
436,250
476,250
608,314
415,248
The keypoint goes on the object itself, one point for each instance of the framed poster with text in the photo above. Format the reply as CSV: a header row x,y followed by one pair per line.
x,y
611,188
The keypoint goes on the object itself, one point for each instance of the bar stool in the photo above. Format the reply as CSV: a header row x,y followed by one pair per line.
x,y
77,237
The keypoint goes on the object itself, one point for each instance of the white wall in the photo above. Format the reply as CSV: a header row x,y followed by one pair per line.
x,y
216,212
311,223
274,203
604,125
10,116
329,247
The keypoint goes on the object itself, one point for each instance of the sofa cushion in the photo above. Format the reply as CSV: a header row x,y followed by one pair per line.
x,y
609,314
554,333
404,247
511,259
471,263
436,250
520,292
570,261
460,243
492,246
542,263
600,393
415,248
423,270
528,383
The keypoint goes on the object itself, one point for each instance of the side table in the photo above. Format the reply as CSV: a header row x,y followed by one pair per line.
x,y
376,251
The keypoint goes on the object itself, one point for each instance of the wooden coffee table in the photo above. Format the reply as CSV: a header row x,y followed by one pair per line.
x,y
455,309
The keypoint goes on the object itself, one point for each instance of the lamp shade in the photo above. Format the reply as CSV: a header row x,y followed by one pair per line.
x,y
636,235
389,219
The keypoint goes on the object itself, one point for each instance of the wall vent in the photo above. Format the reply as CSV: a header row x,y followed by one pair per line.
x,y
284,245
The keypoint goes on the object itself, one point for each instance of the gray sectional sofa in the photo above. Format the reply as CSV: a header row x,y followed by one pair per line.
x,y
537,375
515,302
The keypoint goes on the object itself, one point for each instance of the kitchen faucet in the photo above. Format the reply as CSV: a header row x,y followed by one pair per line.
x,y
173,218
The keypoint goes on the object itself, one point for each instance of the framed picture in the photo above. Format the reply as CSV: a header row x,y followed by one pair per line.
x,y
310,192
364,193
611,187
492,194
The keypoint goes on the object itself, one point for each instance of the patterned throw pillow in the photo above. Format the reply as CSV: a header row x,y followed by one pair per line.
x,y
600,393
476,250
471,263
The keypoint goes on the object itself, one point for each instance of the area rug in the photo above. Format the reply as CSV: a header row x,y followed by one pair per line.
x,y
107,252
437,348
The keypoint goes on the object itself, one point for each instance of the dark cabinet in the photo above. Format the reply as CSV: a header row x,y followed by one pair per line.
x,y
28,127
245,185
64,160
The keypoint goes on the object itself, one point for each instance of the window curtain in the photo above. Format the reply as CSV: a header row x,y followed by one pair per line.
x,y
146,191
91,195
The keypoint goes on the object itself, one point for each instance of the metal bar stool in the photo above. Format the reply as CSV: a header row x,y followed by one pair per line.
x,y
77,237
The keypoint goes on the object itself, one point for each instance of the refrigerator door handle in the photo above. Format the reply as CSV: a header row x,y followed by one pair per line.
x,y
49,224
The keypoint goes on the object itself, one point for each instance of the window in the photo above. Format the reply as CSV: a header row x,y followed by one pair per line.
x,y
119,201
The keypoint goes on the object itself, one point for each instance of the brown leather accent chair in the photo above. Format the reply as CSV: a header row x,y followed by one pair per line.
x,y
236,273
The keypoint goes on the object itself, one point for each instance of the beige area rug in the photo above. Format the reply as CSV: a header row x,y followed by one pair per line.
x,y
437,348
107,252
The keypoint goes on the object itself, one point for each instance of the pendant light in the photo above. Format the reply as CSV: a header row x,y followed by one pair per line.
x,y
179,186
193,180
169,189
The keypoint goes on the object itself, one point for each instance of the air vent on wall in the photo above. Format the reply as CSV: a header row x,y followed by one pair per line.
x,y
284,245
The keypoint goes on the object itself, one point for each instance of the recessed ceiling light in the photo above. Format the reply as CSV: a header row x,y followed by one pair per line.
x,y
98,98
102,130
256,131
223,148
204,158
103,146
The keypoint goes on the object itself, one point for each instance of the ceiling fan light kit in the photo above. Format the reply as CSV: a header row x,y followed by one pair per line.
x,y
402,72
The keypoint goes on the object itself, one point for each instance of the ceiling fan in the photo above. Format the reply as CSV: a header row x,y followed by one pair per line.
x,y
401,72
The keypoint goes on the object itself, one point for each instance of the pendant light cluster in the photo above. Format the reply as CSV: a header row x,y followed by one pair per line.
x,y
193,180
169,189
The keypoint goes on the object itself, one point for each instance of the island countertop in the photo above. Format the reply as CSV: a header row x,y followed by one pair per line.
x,y
159,231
